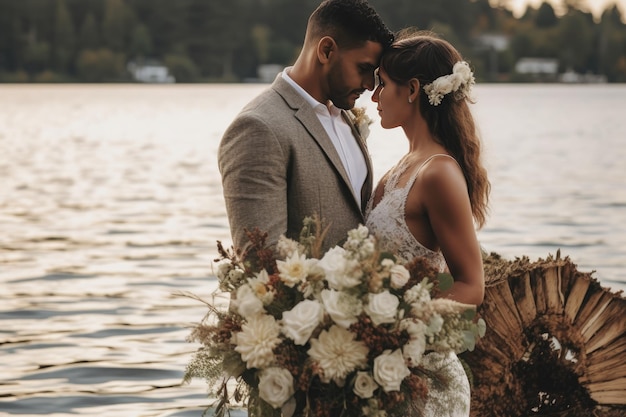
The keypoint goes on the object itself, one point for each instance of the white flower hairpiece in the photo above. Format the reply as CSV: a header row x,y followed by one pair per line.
x,y
460,83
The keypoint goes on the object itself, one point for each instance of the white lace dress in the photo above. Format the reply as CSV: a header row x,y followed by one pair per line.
x,y
448,386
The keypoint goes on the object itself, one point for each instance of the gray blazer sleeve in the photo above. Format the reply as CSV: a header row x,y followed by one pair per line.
x,y
253,166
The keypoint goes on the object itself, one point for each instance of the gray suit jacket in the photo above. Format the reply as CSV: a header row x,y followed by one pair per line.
x,y
278,166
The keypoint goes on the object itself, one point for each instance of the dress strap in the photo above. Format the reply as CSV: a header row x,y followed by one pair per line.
x,y
417,171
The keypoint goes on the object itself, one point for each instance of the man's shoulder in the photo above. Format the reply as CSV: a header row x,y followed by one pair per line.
x,y
271,106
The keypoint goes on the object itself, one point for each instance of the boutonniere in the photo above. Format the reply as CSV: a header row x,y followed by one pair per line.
x,y
361,121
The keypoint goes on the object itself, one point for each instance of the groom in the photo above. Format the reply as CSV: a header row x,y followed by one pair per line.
x,y
293,151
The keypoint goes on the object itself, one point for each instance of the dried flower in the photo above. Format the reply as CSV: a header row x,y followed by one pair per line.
x,y
361,121
256,341
338,354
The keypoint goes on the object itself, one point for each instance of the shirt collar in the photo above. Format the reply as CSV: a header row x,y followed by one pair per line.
x,y
319,107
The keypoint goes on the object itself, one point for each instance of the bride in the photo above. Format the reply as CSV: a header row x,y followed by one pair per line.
x,y
429,203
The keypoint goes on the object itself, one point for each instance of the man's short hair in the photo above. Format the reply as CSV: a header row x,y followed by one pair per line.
x,y
349,22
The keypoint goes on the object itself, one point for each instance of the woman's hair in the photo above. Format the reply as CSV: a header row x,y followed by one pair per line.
x,y
426,57
349,22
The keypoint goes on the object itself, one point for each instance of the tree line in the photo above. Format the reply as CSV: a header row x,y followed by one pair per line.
x,y
226,40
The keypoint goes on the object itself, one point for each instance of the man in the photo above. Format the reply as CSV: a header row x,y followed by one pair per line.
x,y
292,152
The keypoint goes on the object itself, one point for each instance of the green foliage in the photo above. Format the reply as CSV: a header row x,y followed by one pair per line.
x,y
182,68
227,40
100,65
546,17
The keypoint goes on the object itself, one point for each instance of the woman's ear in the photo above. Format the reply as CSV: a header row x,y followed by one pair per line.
x,y
414,89
325,48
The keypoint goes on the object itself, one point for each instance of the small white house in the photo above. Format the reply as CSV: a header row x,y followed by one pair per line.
x,y
150,72
537,66
493,41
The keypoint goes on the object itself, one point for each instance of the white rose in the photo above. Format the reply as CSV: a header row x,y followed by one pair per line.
x,y
299,323
275,386
341,307
364,385
382,307
337,269
390,370
247,303
399,276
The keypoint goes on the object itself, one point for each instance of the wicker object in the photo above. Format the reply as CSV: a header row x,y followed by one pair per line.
x,y
555,342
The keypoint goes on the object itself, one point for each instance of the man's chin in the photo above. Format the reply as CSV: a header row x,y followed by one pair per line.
x,y
345,104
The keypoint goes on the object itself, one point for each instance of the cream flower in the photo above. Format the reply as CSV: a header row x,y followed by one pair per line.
x,y
339,270
293,270
223,268
275,386
361,121
399,276
382,307
338,354
459,82
299,323
260,288
343,308
256,341
390,370
287,247
419,293
364,385
247,303
414,349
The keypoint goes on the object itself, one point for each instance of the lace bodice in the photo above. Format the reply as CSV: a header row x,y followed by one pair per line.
x,y
448,386
387,222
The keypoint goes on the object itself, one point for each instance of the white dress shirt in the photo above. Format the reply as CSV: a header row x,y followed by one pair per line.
x,y
341,135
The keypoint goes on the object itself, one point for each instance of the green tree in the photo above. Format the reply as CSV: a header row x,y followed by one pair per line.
x,y
260,35
575,40
115,25
182,68
141,42
100,65
89,34
546,17
64,38
612,45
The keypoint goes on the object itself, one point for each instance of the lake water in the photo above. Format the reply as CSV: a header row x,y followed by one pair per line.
x,y
110,205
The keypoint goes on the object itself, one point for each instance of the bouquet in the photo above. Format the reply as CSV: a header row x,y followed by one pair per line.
x,y
325,334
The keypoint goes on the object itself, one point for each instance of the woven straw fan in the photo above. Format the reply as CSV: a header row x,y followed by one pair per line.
x,y
555,342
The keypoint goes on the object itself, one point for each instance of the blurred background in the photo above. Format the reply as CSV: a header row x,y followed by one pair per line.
x,y
251,40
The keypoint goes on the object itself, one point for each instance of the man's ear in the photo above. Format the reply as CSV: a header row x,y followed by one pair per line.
x,y
325,48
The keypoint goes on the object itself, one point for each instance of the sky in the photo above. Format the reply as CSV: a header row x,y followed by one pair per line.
x,y
595,6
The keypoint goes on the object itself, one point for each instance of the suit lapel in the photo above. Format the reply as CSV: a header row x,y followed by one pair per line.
x,y
366,189
306,115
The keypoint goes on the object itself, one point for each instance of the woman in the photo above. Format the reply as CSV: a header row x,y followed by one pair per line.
x,y
429,204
